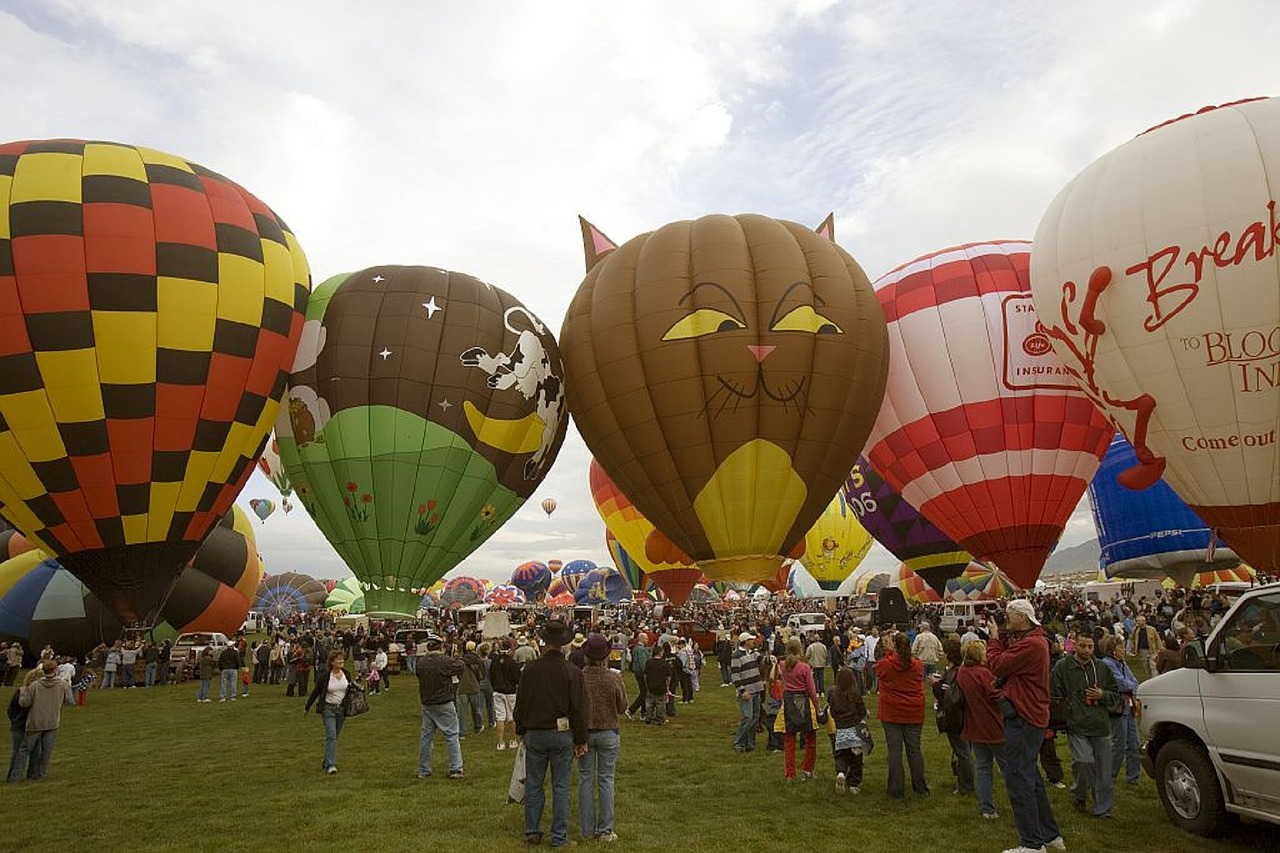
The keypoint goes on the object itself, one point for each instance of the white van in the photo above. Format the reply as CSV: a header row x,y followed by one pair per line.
x,y
959,615
253,622
1209,734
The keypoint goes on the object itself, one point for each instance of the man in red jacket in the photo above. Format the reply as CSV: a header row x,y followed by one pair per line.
x,y
1020,662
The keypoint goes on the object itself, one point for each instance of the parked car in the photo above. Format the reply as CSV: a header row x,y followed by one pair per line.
x,y
807,624
187,648
1209,738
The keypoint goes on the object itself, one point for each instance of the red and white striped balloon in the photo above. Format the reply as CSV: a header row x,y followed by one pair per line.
x,y
982,428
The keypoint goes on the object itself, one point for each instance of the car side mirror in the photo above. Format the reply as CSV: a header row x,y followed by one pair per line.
x,y
1193,656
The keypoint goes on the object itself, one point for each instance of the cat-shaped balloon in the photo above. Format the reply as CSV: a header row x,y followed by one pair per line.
x,y
725,372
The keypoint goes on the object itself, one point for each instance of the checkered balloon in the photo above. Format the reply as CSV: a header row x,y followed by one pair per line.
x,y
149,314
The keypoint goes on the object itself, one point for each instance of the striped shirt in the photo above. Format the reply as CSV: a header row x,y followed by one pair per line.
x,y
744,671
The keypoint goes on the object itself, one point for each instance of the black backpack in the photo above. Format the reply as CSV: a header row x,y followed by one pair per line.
x,y
949,715
17,713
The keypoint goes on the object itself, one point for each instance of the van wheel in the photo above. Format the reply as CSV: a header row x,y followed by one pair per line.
x,y
1189,789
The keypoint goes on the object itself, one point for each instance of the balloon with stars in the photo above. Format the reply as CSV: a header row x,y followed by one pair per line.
x,y
424,408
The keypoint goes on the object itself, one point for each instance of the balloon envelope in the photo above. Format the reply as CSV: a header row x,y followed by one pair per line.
x,y
262,507
269,463
532,578
1155,277
424,408
549,506
149,311
901,529
601,586
289,593
836,544
982,428
725,372
1150,533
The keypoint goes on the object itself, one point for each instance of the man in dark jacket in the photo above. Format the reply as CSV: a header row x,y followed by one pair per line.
x,y
229,666
504,674
1020,661
1090,691
437,685
551,721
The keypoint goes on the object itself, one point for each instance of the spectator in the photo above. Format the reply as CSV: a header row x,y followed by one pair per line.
x,y
44,697
550,719
800,705
1020,659
1143,644
437,675
744,672
983,726
950,716
205,664
469,697
330,690
657,681
901,712
640,655
848,711
817,656
229,666
504,673
1089,690
128,657
1124,726
928,648
604,699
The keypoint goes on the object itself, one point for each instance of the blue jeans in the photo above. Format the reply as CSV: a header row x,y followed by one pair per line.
x,y
108,679
486,692
126,670
1124,748
984,754
1091,771
897,737
333,718
33,755
748,713
595,773
1028,798
445,718
205,683
547,748
151,674
227,685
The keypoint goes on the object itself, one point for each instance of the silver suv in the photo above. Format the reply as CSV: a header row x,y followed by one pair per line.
x,y
1210,736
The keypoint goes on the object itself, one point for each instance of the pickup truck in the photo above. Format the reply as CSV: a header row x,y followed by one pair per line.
x,y
1209,735
187,648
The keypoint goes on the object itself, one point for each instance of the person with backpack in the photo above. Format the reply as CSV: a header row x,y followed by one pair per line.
x,y
848,711
469,698
949,715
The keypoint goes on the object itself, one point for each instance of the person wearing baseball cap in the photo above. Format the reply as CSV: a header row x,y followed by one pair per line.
x,y
744,672
605,699
550,718
1019,659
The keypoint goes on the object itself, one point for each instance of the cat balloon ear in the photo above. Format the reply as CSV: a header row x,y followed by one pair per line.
x,y
594,243
828,228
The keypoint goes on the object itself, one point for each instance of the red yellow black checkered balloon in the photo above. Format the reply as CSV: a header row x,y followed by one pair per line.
x,y
149,314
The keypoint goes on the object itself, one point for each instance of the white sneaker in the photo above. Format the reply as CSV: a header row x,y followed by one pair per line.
x,y
840,785
854,789
1025,850
502,744
513,744
1056,844
990,815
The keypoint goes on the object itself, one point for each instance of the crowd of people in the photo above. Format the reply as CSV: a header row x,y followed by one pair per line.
x,y
1004,689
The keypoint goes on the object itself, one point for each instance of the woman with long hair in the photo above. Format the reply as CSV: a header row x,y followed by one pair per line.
x,y
330,691
844,703
901,712
799,707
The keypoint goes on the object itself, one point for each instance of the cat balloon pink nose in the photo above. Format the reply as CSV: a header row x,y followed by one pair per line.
x,y
760,350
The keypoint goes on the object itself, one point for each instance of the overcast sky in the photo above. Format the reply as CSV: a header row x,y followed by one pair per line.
x,y
470,136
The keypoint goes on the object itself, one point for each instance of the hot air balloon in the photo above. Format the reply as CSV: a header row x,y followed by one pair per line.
x,y
980,582
573,573
41,603
555,565
725,372
549,506
462,591
901,529
214,591
702,594
262,508
286,506
982,428
150,311
269,463
532,578
914,587
836,544
424,408
662,566
631,570
1240,574
504,595
604,585
288,593
347,596
1150,533
1155,278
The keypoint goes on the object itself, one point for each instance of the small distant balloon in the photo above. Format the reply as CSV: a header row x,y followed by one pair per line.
x,y
549,506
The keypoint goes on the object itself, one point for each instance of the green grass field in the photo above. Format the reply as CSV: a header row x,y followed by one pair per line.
x,y
152,769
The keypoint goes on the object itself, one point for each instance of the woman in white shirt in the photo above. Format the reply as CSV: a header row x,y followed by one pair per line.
x,y
330,690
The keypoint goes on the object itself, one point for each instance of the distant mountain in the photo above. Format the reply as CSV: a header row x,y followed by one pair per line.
x,y
1078,558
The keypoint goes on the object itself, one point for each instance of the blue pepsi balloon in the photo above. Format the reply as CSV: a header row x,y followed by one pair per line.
x,y
1151,533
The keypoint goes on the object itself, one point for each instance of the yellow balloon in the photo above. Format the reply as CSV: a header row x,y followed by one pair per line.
x,y
835,545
